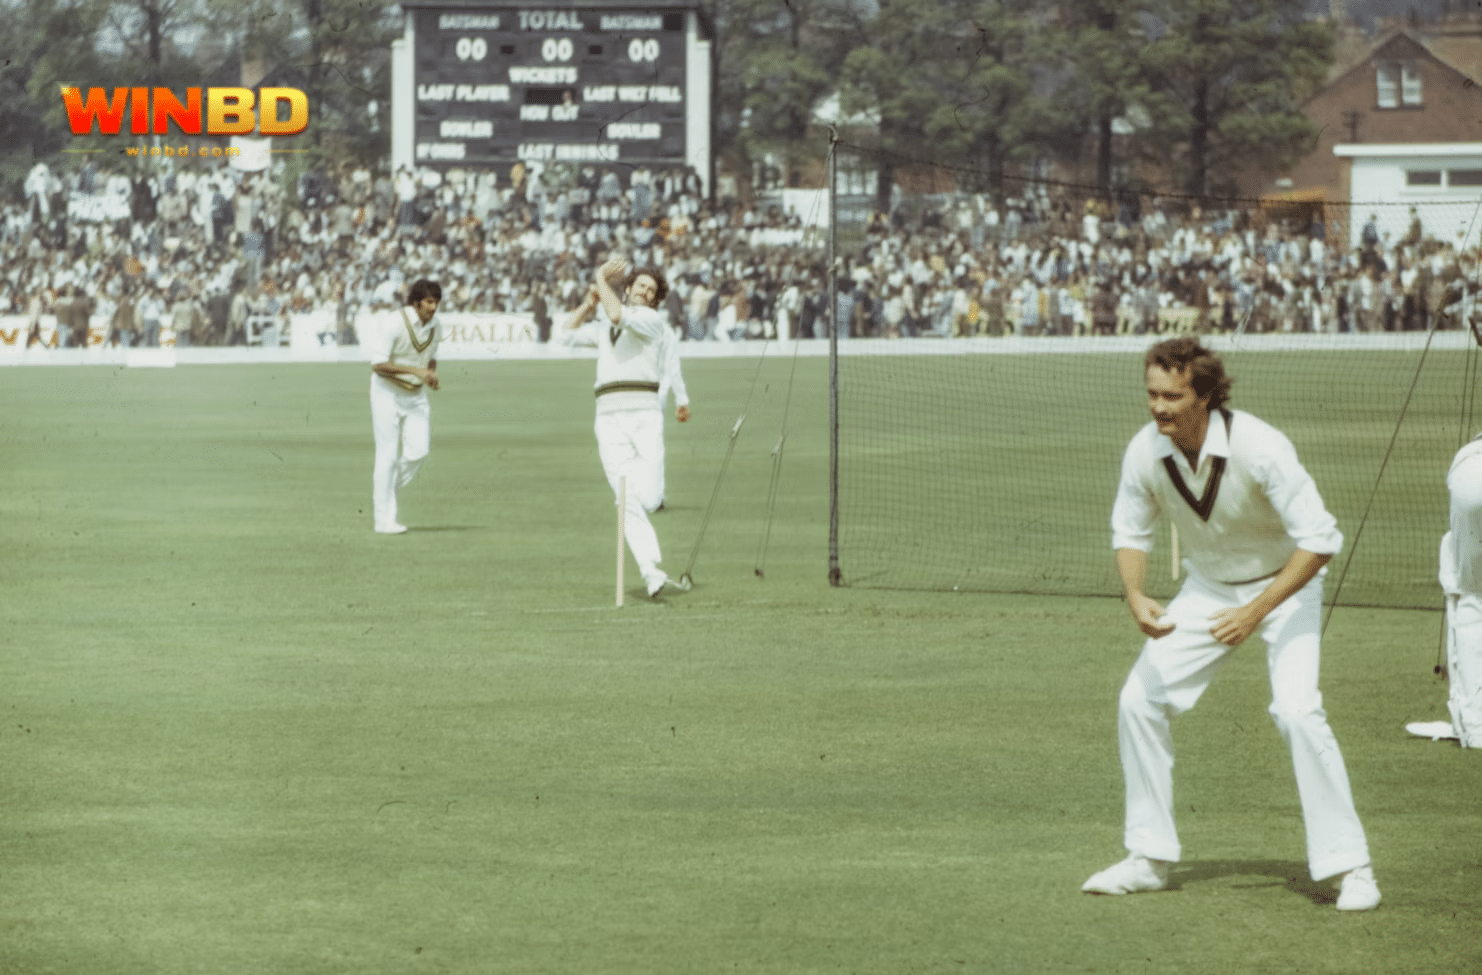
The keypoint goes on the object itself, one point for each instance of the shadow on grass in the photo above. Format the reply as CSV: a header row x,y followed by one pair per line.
x,y
1276,873
419,529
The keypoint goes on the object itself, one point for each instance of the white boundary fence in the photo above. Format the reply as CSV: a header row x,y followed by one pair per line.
x,y
473,336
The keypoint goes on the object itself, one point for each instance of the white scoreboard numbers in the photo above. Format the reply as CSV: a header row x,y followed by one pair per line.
x,y
497,85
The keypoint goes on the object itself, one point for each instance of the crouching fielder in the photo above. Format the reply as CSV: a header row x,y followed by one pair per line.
x,y
630,425
1257,536
1461,581
403,355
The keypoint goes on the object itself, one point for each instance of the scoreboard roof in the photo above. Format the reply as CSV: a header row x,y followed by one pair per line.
x,y
707,28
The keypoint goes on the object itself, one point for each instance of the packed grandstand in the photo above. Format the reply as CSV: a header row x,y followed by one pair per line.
x,y
203,255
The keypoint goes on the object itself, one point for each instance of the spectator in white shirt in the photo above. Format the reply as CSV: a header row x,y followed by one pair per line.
x,y
1257,537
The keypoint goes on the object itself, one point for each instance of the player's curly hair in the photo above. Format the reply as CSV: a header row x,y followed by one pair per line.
x,y
661,289
424,288
1206,371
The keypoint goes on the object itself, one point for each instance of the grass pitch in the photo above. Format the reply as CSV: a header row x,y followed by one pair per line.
x,y
241,733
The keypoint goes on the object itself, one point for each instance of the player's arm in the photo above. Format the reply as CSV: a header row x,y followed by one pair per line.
x,y
676,378
583,311
390,370
1294,495
612,302
1134,514
1146,611
1233,626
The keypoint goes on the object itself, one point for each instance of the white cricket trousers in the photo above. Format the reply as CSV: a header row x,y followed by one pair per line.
x,y
402,424
1461,580
1171,674
630,444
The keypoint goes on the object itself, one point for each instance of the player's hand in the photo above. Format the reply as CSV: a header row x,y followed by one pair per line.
x,y
429,376
1149,616
1232,626
614,269
682,413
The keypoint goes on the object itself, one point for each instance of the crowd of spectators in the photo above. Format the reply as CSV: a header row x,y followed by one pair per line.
x,y
222,256
1078,265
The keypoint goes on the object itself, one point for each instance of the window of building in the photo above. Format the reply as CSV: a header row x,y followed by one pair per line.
x,y
1464,177
1388,78
1410,85
1422,177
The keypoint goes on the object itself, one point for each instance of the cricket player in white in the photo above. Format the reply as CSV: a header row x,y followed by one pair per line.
x,y
1257,537
629,336
1461,581
403,355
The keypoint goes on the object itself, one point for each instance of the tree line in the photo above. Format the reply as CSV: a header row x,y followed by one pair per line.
x,y
336,51
1191,90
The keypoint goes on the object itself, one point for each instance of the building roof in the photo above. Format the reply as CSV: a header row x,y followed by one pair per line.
x,y
1392,39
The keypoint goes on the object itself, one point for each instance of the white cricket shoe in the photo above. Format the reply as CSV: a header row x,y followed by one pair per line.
x,y
1434,730
1135,874
393,528
656,583
1358,891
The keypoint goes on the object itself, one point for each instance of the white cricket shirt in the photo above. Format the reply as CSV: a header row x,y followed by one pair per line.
x,y
1240,514
401,339
629,359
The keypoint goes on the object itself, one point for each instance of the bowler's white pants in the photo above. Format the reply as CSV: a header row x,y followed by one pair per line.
x,y
1171,674
402,424
1461,580
630,444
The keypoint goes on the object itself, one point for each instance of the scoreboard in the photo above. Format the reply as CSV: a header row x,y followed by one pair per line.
x,y
496,85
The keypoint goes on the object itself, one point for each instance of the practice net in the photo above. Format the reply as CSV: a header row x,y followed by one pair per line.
x,y
990,376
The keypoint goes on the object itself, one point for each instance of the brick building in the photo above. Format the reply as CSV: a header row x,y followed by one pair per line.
x,y
1401,93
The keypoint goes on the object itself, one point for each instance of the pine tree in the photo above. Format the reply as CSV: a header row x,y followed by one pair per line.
x,y
952,81
1227,78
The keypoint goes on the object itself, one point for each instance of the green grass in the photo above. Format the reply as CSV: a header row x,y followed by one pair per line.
x,y
239,733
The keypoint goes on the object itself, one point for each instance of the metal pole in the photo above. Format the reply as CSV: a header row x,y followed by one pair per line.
x,y
835,575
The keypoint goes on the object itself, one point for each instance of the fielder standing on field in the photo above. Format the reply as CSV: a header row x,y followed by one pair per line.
x,y
1257,536
1461,581
629,335
403,355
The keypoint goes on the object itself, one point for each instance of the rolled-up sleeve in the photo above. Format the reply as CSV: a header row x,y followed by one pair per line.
x,y
1293,493
1136,509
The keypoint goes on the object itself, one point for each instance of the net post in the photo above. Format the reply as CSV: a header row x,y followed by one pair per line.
x,y
835,574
